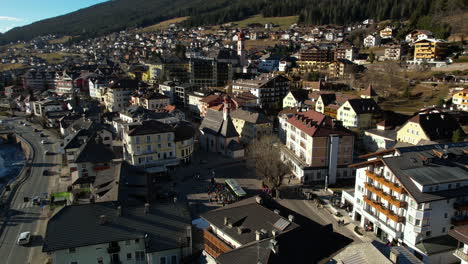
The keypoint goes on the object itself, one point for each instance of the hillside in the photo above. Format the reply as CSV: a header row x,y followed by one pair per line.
x,y
123,14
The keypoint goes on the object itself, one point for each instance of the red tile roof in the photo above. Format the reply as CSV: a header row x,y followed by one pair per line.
x,y
316,124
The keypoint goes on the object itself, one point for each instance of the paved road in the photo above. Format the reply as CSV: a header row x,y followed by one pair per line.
x,y
24,216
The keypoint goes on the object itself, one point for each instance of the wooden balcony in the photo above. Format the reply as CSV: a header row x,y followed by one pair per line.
x,y
394,187
388,213
391,199
461,255
461,206
213,245
459,221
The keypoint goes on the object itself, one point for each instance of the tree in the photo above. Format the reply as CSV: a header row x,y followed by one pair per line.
x,y
371,57
458,136
263,155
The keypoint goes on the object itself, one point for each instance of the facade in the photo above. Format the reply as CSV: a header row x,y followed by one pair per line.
x,y
341,69
210,72
160,234
194,101
39,80
149,100
295,98
269,89
41,108
380,138
150,144
118,94
358,113
428,127
430,50
417,35
64,82
251,125
317,149
461,235
393,52
386,33
413,196
181,93
315,58
371,41
459,99
347,53
283,117
96,87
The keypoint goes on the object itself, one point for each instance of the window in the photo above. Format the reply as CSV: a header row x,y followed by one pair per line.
x,y
418,222
127,242
139,256
162,260
148,147
174,260
428,233
129,256
100,260
450,186
137,241
137,140
169,144
159,145
443,229
445,215
159,138
71,250
74,262
148,139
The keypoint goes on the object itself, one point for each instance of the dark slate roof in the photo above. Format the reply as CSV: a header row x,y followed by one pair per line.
x,y
460,233
79,225
300,95
437,245
150,127
364,106
436,125
250,116
214,124
234,146
94,152
184,131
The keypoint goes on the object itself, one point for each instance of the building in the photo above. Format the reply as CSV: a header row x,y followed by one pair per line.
x,y
341,69
386,33
251,125
393,52
258,230
430,50
269,62
371,41
118,94
358,113
318,149
461,235
168,68
39,80
96,87
459,99
167,88
184,140
417,35
413,196
283,117
111,233
428,127
149,100
13,91
210,72
241,49
194,101
152,145
181,93
268,88
64,82
295,98
380,138
328,103
370,93
218,133
43,107
347,53
315,57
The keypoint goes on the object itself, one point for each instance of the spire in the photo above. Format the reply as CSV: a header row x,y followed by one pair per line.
x,y
226,108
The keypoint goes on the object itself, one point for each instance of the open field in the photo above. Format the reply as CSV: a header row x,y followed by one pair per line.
x,y
163,24
60,40
55,57
11,66
281,22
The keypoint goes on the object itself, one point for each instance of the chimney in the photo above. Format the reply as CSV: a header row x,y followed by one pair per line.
x,y
102,219
274,233
276,211
147,207
291,218
258,199
274,246
119,210
226,220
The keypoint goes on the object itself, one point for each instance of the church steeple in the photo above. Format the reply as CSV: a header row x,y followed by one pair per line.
x,y
241,48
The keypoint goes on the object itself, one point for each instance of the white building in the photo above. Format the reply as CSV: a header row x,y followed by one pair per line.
x,y
413,196
118,94
268,88
372,41
107,233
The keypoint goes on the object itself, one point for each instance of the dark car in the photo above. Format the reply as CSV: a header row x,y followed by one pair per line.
x,y
45,172
36,200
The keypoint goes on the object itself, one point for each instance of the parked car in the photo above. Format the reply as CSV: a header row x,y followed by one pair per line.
x,y
45,173
44,142
24,238
48,152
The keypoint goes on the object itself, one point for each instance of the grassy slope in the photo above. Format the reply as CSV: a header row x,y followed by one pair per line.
x,y
282,22
163,24
60,40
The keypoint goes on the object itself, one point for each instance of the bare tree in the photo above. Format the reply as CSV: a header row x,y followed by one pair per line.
x,y
263,155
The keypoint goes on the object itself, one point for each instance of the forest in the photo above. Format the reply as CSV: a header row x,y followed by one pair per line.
x,y
118,15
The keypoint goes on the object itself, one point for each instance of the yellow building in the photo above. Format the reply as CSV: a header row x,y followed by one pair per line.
x,y
425,127
251,125
168,70
156,146
430,49
460,99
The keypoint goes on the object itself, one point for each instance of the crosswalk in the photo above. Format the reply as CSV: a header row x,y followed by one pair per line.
x,y
23,205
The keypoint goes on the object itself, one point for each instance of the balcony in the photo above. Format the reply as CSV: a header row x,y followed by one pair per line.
x,y
461,255
391,199
394,187
387,212
462,206
213,245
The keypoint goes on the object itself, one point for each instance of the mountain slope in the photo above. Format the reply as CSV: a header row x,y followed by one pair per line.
x,y
121,14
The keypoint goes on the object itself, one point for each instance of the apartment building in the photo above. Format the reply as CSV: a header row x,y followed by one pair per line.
x,y
118,94
393,52
268,88
461,235
315,57
460,99
318,149
39,80
413,196
251,125
64,82
386,33
430,50
358,114
149,100
152,144
210,72
432,126
372,41
106,232
346,52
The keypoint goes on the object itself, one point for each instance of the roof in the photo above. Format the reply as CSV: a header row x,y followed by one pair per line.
x,y
94,152
361,253
150,127
79,225
124,83
316,124
436,125
369,91
250,116
437,245
364,106
460,233
214,124
184,131
300,95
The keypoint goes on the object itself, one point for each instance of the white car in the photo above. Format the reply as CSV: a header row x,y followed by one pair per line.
x,y
44,142
24,238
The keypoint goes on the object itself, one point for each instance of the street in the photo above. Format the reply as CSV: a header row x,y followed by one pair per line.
x,y
24,216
